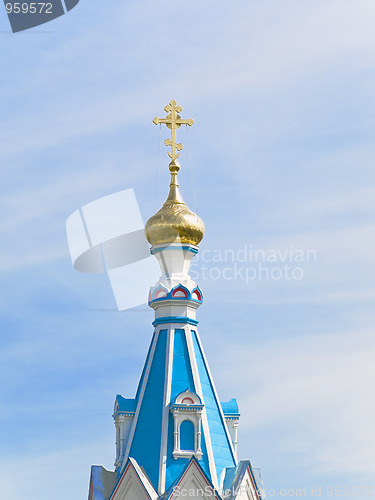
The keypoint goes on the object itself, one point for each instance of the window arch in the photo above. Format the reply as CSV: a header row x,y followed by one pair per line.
x,y
187,401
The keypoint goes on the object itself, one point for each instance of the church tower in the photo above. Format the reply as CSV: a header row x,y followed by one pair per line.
x,y
175,438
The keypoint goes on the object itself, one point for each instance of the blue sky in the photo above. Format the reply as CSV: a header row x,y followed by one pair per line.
x,y
281,156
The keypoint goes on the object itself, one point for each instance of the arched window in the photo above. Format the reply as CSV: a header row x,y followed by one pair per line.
x,y
187,436
186,409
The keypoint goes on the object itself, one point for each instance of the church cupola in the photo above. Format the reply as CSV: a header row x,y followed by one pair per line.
x,y
174,222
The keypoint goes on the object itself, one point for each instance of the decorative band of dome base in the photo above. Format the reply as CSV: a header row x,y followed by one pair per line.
x,y
175,319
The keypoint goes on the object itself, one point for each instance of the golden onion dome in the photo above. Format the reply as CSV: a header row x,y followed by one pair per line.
x,y
174,222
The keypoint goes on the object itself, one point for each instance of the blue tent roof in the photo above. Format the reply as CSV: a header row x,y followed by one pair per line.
x,y
153,426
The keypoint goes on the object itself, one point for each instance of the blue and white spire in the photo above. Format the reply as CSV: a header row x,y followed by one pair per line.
x,y
177,414
175,431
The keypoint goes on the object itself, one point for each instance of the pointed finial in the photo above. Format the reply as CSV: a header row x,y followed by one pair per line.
x,y
173,121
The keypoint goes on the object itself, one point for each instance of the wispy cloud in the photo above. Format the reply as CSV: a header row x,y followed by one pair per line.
x,y
318,389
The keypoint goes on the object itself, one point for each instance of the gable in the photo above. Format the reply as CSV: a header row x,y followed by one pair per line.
x,y
132,492
193,483
246,489
133,485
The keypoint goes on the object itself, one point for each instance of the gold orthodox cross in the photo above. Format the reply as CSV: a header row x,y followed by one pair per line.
x,y
173,121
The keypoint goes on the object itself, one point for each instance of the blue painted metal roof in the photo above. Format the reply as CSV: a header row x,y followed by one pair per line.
x,y
145,447
234,475
230,408
220,441
126,405
102,483
144,368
